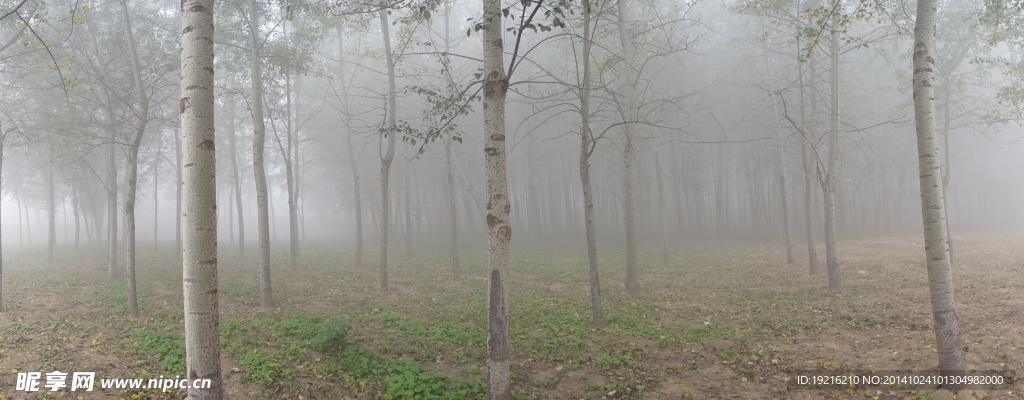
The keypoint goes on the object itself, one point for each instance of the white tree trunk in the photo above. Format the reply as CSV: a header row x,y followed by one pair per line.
x,y
499,232
940,278
199,258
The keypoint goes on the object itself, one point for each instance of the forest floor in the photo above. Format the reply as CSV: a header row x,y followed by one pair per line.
x,y
725,320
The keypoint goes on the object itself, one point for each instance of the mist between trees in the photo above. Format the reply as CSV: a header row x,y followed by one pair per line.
x,y
397,127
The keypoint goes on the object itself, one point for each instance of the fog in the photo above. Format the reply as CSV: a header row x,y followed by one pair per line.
x,y
717,88
788,126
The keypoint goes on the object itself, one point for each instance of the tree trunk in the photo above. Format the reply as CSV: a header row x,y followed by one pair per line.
x,y
832,175
807,154
408,214
449,173
111,204
946,167
940,278
3,138
385,160
289,170
51,210
74,207
156,193
199,258
258,152
662,209
629,155
177,203
133,161
236,178
499,232
586,150
352,159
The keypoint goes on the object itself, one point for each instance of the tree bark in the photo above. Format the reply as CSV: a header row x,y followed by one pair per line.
x,y
177,205
289,171
385,160
408,214
236,178
586,150
832,175
258,153
449,172
51,209
352,159
940,278
3,138
629,154
499,232
133,161
807,157
199,258
156,193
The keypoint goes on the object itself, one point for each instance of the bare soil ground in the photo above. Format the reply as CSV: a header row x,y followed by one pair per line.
x,y
724,320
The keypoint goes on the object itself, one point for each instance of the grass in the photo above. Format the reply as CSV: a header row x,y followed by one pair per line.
x,y
724,320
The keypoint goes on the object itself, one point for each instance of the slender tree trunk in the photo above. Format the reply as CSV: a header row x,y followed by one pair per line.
x,y
807,157
289,170
940,278
111,204
178,188
74,206
946,168
133,161
629,155
449,173
3,138
832,175
388,156
499,232
586,150
258,152
21,224
156,193
408,214
236,177
199,258
51,209
353,160
781,168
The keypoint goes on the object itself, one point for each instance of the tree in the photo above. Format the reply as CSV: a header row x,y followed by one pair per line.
x,y
352,159
3,138
499,232
587,147
199,256
832,173
626,108
940,278
388,131
258,154
133,161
